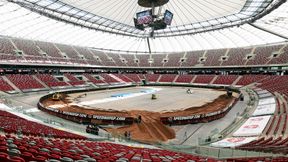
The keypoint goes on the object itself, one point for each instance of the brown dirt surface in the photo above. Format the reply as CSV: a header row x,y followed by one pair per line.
x,y
218,104
151,129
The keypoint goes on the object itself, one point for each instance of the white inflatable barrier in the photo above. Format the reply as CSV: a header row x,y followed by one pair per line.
x,y
265,110
265,101
265,95
262,92
254,126
233,141
4,107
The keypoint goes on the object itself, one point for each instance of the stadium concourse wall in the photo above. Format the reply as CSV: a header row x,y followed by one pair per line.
x,y
116,120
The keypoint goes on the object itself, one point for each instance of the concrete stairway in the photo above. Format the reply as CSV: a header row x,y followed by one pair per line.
x,y
236,80
11,84
116,78
42,83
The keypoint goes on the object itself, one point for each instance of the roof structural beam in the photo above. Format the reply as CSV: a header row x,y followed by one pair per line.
x,y
269,31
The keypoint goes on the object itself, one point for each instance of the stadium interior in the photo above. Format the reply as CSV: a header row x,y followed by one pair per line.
x,y
144,81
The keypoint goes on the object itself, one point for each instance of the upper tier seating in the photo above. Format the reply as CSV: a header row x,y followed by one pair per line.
x,y
158,60
192,58
213,57
130,59
58,60
68,50
104,58
37,59
50,81
78,61
27,46
49,49
117,59
282,58
6,47
143,60
88,55
236,56
263,54
66,54
24,81
174,60
4,86
10,58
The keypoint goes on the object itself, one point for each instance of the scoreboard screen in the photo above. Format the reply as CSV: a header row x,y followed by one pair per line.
x,y
144,17
168,16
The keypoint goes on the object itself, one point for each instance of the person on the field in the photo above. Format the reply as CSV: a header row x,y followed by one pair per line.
x,y
139,119
185,135
189,91
126,134
129,135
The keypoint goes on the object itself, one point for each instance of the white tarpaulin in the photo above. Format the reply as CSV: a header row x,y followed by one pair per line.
x,y
4,107
265,95
262,92
233,141
254,126
265,109
265,101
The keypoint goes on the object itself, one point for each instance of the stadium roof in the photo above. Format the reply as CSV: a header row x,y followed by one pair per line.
x,y
197,24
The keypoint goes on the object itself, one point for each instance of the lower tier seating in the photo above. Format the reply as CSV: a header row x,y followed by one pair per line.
x,y
50,149
50,81
204,79
4,86
10,123
167,78
73,80
134,77
225,79
152,77
24,81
